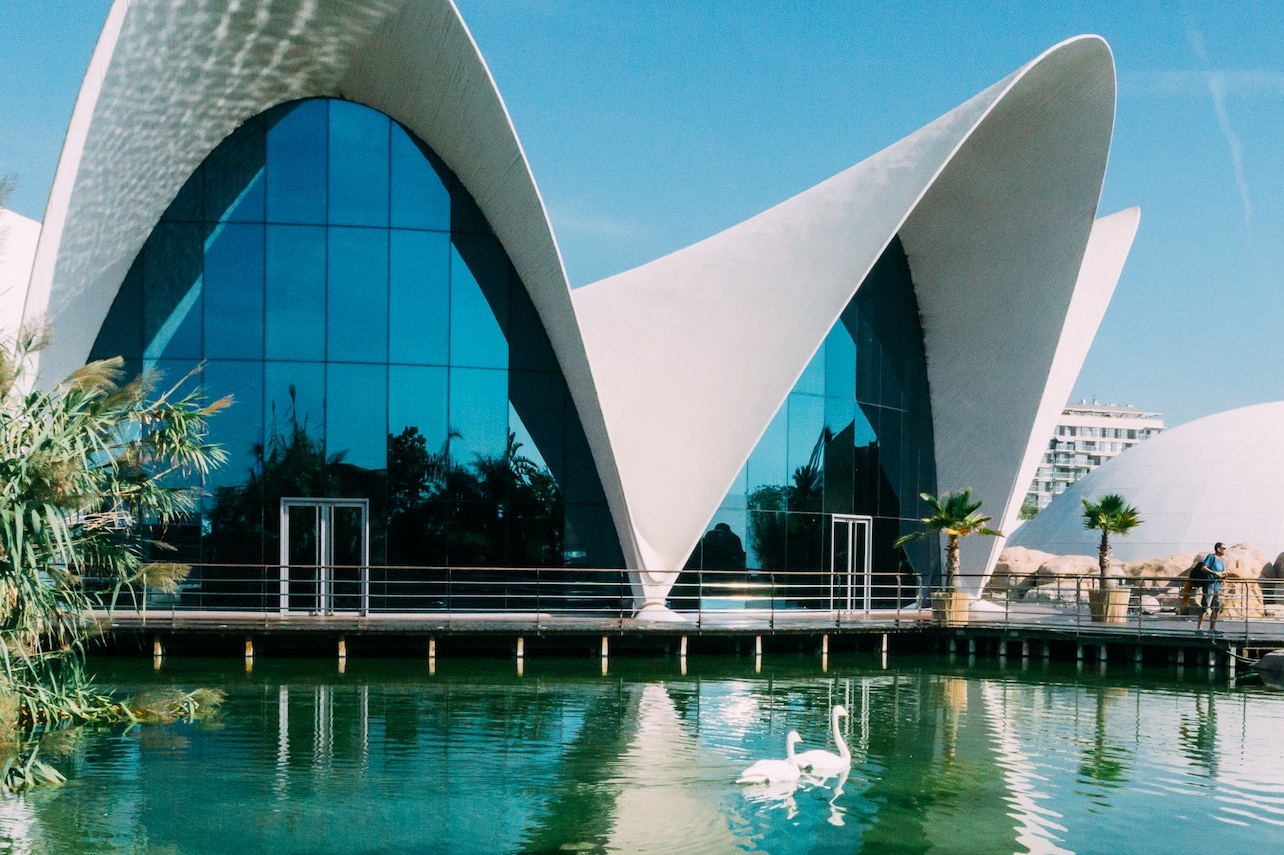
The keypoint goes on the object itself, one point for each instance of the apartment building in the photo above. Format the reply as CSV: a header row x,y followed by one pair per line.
x,y
1087,435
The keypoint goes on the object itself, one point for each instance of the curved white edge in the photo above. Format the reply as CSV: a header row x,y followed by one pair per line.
x,y
1218,478
18,239
1103,261
993,202
995,248
168,83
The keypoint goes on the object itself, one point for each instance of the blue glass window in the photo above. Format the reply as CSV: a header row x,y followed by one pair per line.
x,y
419,298
295,305
358,165
478,307
172,292
234,292
420,199
296,164
357,295
343,286
357,414
239,428
478,414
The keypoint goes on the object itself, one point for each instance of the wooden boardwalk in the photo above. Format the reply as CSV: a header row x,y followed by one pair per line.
x,y
1031,631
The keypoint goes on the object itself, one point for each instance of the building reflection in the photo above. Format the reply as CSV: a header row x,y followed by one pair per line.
x,y
475,758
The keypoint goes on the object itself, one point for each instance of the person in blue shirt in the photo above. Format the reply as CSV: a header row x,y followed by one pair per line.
x,y
1210,602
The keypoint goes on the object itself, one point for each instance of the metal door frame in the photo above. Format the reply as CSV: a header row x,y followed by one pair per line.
x,y
851,525
325,551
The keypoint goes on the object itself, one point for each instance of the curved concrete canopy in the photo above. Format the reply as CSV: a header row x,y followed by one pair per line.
x,y
1219,478
994,203
168,82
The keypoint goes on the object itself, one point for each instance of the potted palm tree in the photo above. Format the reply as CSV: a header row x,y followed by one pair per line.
x,y
954,515
1110,514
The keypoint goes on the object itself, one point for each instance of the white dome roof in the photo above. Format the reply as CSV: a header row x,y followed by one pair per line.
x,y
1220,478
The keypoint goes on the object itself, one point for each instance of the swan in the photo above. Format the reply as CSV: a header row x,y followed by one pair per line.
x,y
768,771
818,761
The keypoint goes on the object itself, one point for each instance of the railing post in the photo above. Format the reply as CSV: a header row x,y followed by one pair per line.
x,y
772,606
700,595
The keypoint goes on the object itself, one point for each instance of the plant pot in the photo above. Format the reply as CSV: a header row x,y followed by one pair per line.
x,y
950,608
1109,605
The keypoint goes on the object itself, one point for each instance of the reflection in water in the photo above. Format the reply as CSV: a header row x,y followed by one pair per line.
x,y
474,759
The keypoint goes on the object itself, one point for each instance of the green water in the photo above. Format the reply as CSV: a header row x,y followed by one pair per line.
x,y
473,758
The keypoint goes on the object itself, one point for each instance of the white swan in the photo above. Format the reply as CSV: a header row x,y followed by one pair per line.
x,y
769,771
820,762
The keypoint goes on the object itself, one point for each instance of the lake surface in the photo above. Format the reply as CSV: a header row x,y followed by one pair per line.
x,y
473,758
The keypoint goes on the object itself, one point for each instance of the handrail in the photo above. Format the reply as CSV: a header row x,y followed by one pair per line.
x,y
1155,602
709,595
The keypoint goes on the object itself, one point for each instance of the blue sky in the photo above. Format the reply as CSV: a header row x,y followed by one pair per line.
x,y
650,125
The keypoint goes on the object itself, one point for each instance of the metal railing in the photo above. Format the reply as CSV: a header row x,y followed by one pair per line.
x,y
710,597
1249,607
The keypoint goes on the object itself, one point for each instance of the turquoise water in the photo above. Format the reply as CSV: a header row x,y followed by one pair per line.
x,y
473,758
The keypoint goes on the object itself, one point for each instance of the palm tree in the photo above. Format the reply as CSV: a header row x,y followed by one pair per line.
x,y
87,468
954,515
1110,514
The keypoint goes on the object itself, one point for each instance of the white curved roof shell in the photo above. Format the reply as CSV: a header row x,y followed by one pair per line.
x,y
678,366
994,202
1220,478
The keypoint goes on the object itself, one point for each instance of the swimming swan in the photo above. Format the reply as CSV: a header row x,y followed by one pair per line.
x,y
767,771
822,762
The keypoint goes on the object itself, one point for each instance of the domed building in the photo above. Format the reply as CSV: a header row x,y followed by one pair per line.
x,y
1219,478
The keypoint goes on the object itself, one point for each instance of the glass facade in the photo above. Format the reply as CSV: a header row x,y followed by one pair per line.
x,y
327,270
853,438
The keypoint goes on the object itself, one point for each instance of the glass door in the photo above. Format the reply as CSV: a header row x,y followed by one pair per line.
x,y
325,555
850,577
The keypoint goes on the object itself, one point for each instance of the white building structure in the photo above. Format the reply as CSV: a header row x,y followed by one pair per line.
x,y
891,311
1086,436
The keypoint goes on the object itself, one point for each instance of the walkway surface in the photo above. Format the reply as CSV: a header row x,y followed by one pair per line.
x,y
1015,622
